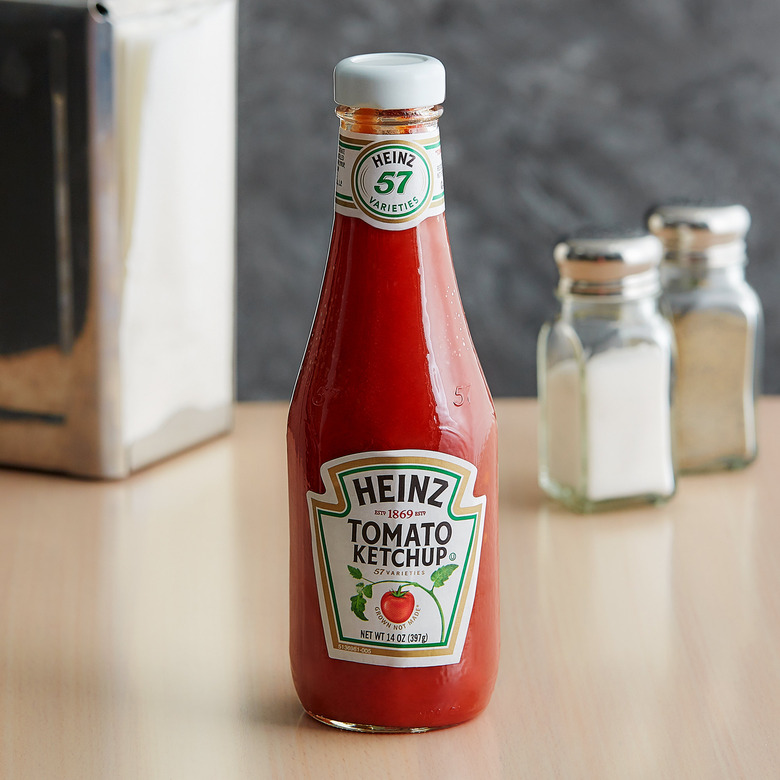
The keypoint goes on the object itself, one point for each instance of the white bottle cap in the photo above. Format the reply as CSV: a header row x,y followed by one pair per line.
x,y
389,81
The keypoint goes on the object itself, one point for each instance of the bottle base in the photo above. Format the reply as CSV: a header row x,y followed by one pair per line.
x,y
368,728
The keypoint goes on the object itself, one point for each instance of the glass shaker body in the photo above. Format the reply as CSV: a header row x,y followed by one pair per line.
x,y
718,324
605,365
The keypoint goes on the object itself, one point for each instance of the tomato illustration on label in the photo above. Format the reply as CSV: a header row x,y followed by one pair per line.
x,y
397,605
401,611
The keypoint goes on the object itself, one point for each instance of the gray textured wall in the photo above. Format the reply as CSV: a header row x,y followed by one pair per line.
x,y
558,112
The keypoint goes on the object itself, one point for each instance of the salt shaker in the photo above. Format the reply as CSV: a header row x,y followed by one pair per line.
x,y
718,324
605,366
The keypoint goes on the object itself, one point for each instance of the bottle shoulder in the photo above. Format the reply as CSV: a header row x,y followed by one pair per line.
x,y
390,357
326,422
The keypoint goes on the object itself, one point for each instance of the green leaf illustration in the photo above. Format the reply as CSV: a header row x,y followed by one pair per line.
x,y
440,576
359,606
368,590
356,573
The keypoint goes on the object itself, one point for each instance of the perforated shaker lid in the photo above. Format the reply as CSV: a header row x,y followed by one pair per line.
x,y
391,80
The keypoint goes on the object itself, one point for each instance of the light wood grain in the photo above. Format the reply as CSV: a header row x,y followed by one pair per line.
x,y
143,628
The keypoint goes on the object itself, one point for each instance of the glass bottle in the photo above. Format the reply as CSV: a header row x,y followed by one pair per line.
x,y
392,441
604,374
718,324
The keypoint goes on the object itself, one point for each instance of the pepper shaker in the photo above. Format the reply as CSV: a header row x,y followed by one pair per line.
x,y
604,372
718,325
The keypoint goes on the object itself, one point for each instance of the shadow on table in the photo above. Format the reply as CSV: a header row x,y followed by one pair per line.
x,y
274,710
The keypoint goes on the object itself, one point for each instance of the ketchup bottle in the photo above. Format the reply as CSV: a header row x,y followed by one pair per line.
x,y
392,443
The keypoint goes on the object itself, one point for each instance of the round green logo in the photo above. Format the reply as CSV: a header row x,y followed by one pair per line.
x,y
392,181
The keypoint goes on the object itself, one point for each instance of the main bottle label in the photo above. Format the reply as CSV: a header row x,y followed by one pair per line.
x,y
393,182
396,539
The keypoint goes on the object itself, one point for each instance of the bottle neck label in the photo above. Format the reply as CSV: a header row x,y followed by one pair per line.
x,y
393,182
396,539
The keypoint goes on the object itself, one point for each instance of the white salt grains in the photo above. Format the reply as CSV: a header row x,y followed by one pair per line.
x,y
609,431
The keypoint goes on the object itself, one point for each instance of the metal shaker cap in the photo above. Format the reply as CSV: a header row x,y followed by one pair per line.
x,y
609,261
709,232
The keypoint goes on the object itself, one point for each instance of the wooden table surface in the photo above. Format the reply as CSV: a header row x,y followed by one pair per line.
x,y
144,628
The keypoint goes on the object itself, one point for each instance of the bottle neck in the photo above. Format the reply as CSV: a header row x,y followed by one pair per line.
x,y
389,171
389,122
389,305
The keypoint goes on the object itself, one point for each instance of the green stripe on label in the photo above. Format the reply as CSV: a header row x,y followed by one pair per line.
x,y
351,146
